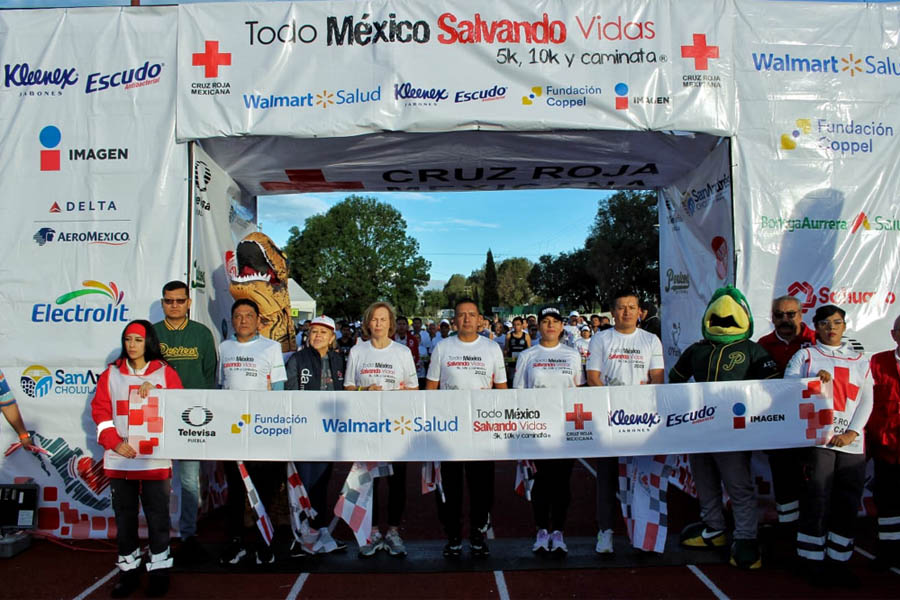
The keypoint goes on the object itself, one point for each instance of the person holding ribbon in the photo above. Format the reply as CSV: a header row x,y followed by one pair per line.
x,y
834,471
10,411
375,365
135,482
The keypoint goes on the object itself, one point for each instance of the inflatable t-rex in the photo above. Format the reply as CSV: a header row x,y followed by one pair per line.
x,y
258,271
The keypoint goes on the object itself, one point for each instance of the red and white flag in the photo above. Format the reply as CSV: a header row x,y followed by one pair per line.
x,y
355,502
525,470
262,517
431,478
643,481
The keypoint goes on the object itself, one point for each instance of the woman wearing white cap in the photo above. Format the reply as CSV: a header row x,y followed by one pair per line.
x,y
375,365
550,364
316,366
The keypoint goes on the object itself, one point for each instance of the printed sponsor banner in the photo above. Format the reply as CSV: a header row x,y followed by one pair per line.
x,y
696,249
454,66
495,425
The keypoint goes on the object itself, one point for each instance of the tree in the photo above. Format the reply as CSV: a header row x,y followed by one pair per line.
x,y
433,301
456,288
512,282
475,281
623,245
564,279
490,298
356,253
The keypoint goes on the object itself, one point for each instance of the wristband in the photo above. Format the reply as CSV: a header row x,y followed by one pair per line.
x,y
24,436
359,388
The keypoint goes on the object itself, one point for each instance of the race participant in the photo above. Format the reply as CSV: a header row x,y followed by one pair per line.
x,y
518,340
595,324
726,354
583,343
442,334
790,334
423,337
189,347
133,483
650,318
346,341
482,369
883,437
249,362
550,365
623,355
500,334
11,413
318,366
382,364
486,330
835,470
571,329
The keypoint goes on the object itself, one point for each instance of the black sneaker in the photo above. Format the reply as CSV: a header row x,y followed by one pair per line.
x,y
190,553
478,545
453,549
235,553
296,550
265,556
126,584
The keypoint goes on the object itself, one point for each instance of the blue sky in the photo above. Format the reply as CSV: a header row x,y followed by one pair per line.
x,y
455,229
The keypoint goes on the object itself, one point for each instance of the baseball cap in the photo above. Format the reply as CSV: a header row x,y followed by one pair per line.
x,y
323,321
549,311
584,328
574,313
445,322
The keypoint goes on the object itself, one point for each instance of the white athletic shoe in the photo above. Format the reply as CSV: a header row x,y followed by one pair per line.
x,y
558,543
541,543
373,545
604,542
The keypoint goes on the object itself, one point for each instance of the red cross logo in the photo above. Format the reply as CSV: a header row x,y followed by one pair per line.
x,y
211,59
700,52
309,180
843,389
578,416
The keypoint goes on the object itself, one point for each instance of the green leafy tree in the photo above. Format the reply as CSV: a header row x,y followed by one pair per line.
x,y
456,288
475,281
490,298
512,281
433,301
356,253
564,279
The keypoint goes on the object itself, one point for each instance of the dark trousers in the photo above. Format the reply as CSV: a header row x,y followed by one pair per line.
x,y
607,486
153,495
832,488
315,477
480,478
267,477
396,490
787,478
887,501
552,493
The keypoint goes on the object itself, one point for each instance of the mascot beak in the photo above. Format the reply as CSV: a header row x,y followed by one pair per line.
x,y
726,317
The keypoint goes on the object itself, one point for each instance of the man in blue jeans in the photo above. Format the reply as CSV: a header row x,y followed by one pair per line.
x,y
189,347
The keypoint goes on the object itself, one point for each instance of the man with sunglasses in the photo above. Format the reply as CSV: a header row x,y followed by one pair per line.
x,y
187,346
790,335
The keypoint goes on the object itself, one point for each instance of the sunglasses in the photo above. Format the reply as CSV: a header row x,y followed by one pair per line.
x,y
790,314
178,301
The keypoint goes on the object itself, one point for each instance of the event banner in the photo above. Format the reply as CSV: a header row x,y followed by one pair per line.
x,y
413,66
482,425
222,215
696,249
816,184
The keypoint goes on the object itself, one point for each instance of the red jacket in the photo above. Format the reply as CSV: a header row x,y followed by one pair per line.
x,y
111,412
781,351
883,429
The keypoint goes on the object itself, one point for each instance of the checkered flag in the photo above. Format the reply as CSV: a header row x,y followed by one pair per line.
x,y
642,492
262,517
355,502
431,479
525,470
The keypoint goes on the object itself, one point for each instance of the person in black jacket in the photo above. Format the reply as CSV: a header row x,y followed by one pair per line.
x,y
319,367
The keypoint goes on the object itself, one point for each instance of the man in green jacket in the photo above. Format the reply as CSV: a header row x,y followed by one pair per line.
x,y
189,347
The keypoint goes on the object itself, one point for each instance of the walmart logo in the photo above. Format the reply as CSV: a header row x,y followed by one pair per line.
x,y
851,64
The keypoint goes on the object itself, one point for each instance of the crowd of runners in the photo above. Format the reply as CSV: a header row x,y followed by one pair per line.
x,y
817,489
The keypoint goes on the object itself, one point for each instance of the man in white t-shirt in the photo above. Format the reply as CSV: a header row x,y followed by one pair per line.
x,y
466,361
571,329
253,363
623,355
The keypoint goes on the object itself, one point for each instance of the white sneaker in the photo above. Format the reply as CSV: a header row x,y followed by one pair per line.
x,y
393,543
373,545
604,542
541,543
558,543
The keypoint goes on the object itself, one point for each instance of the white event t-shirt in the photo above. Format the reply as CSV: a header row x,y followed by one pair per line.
x,y
391,367
459,365
625,358
250,365
542,367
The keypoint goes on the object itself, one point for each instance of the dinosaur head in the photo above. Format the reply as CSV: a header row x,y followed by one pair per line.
x,y
727,318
